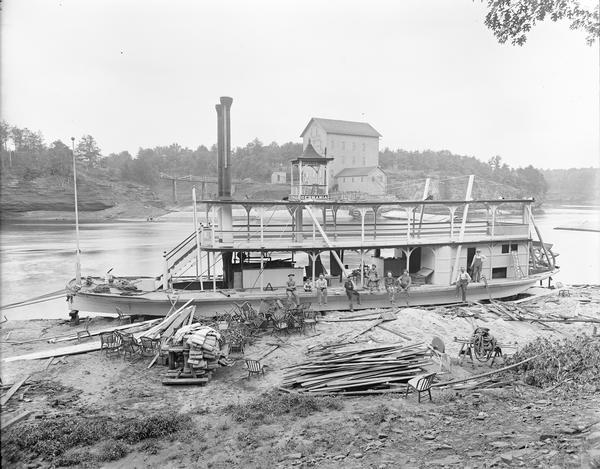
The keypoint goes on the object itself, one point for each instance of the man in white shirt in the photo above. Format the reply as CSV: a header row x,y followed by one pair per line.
x,y
462,281
321,285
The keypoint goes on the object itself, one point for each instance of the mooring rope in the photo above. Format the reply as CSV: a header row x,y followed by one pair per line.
x,y
37,299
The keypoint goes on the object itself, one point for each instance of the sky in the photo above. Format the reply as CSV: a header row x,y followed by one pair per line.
x,y
427,74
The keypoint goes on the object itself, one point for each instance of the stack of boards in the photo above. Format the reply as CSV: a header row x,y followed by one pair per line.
x,y
351,369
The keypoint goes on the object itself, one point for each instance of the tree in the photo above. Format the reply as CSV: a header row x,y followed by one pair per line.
x,y
59,161
513,19
87,150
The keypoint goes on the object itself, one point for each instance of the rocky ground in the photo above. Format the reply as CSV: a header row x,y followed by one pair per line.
x,y
92,411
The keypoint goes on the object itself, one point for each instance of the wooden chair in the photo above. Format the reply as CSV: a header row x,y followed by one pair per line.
x,y
421,383
254,368
110,343
310,319
128,344
296,321
149,347
123,318
281,324
86,330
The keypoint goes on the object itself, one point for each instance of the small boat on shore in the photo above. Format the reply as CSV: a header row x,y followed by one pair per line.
x,y
230,259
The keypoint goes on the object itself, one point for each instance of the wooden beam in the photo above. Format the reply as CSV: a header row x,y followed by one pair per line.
x,y
15,387
18,418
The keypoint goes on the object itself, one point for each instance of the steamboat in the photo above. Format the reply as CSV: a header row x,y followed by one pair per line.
x,y
227,259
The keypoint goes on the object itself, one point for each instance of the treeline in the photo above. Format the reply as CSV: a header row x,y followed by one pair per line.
x,y
509,182
573,185
26,156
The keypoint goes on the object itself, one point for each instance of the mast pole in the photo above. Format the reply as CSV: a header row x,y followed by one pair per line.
x,y
77,253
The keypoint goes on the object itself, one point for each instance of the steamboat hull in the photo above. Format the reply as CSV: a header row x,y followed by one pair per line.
x,y
213,303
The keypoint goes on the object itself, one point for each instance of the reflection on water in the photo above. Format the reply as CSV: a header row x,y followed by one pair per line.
x,y
37,258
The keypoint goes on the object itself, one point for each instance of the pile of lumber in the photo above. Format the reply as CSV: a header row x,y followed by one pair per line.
x,y
352,369
203,351
168,326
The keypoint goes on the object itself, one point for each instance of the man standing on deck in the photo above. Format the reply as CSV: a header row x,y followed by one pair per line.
x,y
351,292
290,289
405,282
390,286
476,265
462,281
321,285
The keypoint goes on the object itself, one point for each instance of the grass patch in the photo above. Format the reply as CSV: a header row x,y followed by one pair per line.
x,y
271,404
63,439
572,362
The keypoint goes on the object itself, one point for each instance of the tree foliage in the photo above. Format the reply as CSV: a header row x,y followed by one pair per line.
x,y
512,20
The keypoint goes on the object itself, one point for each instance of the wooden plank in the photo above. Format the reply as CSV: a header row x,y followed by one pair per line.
x,y
399,334
142,324
7,423
15,387
171,381
61,351
154,360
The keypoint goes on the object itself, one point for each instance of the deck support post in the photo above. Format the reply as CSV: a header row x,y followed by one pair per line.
x,y
165,279
493,209
261,211
214,271
452,209
334,211
363,212
409,211
262,267
375,210
200,257
362,267
313,257
463,226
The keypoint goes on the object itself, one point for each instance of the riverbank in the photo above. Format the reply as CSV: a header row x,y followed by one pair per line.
x,y
123,211
236,422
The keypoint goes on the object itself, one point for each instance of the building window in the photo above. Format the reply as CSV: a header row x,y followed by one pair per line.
x,y
364,147
499,272
505,248
353,161
514,247
353,146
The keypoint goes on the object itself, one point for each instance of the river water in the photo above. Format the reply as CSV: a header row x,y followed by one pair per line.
x,y
38,257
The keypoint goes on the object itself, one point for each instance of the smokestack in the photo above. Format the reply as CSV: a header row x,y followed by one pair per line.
x,y
224,147
220,162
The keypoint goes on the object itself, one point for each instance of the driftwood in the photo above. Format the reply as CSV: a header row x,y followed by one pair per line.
x,y
484,375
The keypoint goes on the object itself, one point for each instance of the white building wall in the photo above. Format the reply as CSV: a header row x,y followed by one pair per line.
x,y
348,151
363,183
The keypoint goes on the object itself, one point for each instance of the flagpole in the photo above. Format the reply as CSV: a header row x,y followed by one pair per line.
x,y
78,260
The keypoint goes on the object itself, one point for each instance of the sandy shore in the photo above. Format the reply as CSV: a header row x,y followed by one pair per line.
x,y
116,387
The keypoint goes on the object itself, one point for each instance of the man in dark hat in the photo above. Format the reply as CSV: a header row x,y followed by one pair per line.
x,y
290,289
